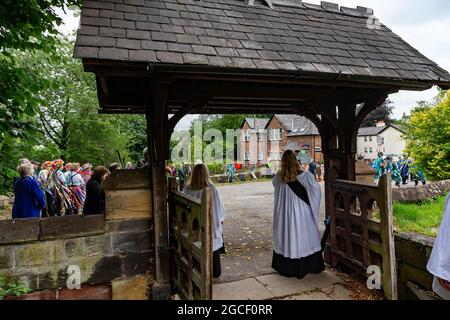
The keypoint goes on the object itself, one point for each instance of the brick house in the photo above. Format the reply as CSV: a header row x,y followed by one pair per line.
x,y
254,141
280,133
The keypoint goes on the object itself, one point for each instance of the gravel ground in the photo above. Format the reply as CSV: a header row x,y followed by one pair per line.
x,y
248,230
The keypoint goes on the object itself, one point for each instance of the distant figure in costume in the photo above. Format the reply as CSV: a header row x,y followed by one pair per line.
x,y
46,186
63,204
417,174
297,243
404,171
28,196
439,263
231,175
86,172
378,165
181,171
76,184
393,170
68,171
199,181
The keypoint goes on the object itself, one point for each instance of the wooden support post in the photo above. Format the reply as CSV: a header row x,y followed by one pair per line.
x,y
157,126
387,237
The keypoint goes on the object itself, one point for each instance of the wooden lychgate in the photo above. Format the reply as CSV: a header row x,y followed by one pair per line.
x,y
362,232
190,238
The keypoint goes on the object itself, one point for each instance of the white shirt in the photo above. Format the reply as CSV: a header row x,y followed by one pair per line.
x,y
296,225
75,179
42,176
439,263
218,213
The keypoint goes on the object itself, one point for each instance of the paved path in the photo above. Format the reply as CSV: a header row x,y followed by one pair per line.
x,y
329,285
248,230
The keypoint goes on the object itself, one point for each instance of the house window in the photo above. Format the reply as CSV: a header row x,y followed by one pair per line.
x,y
370,138
278,132
280,155
365,139
247,135
382,140
260,138
370,150
276,156
275,134
260,156
247,156
365,150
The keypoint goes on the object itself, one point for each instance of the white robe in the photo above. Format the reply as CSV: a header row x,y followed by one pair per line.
x,y
439,263
296,225
218,213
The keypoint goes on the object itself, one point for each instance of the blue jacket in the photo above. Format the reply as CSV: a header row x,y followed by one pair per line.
x,y
28,199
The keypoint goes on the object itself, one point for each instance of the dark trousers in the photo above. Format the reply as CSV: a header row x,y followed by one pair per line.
x,y
217,269
404,178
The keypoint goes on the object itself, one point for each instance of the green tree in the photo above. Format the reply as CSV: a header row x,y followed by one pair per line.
x,y
428,136
27,25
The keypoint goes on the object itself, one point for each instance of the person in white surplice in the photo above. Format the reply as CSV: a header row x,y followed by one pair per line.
x,y
439,263
198,181
297,247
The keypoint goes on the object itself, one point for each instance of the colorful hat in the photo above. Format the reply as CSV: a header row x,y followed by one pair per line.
x,y
58,163
46,164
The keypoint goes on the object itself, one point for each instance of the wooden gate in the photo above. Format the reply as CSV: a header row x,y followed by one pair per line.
x,y
190,232
362,232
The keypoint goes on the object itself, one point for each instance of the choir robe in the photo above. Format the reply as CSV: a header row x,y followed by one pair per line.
x,y
297,249
218,218
439,263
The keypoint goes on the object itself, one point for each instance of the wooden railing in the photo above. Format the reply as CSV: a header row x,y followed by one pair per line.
x,y
362,230
190,232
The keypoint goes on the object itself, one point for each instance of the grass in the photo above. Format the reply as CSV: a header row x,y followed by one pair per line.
x,y
243,182
424,217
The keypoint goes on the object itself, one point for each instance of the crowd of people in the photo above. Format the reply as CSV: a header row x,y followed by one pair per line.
x,y
57,189
401,171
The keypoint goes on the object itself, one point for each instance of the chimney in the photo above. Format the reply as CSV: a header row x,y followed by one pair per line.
x,y
381,123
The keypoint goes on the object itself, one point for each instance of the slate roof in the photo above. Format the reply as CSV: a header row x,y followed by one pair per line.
x,y
297,125
260,122
373,131
231,33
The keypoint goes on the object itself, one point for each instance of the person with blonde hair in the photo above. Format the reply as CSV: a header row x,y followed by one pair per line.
x,y
28,196
297,243
198,181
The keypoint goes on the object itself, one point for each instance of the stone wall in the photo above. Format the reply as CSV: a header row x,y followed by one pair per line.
x,y
420,193
115,253
413,252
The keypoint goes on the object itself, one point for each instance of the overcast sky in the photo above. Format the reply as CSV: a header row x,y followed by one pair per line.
x,y
423,24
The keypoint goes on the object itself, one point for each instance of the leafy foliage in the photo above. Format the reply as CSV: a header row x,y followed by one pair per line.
x,y
10,286
428,136
65,123
25,26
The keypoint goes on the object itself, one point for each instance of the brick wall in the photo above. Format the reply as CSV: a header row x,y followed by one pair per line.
x,y
313,142
115,252
275,146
